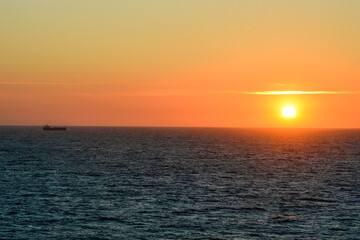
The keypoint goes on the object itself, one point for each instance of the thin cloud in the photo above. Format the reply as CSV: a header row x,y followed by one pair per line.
x,y
300,92
52,83
31,83
172,92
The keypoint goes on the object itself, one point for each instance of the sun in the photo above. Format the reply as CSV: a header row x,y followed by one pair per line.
x,y
289,112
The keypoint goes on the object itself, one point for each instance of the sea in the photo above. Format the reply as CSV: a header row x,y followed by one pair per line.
x,y
179,183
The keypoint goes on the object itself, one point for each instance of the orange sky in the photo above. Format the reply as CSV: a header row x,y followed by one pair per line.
x,y
179,63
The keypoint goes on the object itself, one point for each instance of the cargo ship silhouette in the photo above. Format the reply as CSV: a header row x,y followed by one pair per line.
x,y
48,127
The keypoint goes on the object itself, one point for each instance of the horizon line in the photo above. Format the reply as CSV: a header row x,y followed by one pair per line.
x,y
174,126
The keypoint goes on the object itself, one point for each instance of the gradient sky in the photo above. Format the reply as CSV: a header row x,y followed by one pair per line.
x,y
179,63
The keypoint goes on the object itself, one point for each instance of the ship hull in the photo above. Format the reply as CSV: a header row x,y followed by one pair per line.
x,y
54,128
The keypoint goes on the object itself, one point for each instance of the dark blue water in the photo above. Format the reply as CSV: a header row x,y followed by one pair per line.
x,y
179,183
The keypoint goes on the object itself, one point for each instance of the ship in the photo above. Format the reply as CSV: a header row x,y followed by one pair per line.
x,y
48,127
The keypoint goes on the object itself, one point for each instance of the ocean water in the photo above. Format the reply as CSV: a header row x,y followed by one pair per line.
x,y
179,183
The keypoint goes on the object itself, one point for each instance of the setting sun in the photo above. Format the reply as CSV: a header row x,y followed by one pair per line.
x,y
289,112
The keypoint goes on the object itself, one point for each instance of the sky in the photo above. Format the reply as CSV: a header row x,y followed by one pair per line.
x,y
203,63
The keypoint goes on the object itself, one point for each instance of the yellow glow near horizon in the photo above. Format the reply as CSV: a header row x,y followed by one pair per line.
x,y
289,112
